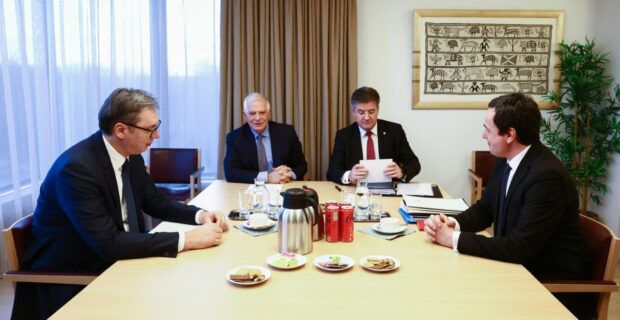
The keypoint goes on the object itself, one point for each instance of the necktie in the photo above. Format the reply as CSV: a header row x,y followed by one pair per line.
x,y
370,146
262,155
501,224
132,214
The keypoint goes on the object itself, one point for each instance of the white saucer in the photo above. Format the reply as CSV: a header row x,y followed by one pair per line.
x,y
377,227
301,260
264,271
270,224
364,259
319,262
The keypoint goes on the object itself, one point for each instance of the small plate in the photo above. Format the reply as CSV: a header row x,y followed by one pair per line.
x,y
266,273
365,259
280,261
263,227
377,227
346,262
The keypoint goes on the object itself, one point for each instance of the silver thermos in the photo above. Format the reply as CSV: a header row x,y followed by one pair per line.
x,y
295,221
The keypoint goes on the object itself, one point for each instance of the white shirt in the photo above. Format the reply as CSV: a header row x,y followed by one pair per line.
x,y
118,160
514,164
364,141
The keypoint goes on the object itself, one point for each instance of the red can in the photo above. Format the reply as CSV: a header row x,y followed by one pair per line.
x,y
332,226
346,223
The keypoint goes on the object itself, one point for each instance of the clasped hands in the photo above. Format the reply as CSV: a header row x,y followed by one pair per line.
x,y
439,229
208,233
359,171
281,174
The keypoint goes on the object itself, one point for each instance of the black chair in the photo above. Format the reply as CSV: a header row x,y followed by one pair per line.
x,y
176,172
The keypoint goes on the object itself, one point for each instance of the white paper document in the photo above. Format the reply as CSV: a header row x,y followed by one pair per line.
x,y
415,189
435,204
167,226
375,170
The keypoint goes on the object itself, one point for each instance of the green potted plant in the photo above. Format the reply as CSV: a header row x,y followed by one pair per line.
x,y
585,131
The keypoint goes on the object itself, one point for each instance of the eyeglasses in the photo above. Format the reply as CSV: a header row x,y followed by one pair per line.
x,y
150,131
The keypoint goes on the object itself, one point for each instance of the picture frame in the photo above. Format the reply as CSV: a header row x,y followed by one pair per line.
x,y
464,58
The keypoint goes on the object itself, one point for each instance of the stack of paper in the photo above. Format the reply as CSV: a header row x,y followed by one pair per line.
x,y
422,206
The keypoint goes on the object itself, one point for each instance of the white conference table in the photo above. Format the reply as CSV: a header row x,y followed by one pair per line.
x,y
432,281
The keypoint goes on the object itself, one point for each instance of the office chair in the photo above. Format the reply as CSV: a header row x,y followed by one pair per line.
x,y
482,163
176,172
604,247
15,241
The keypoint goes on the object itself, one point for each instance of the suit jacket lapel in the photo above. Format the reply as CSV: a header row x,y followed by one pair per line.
x,y
109,176
356,144
383,136
276,144
523,169
249,148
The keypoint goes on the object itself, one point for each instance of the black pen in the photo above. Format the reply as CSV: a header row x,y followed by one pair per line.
x,y
338,188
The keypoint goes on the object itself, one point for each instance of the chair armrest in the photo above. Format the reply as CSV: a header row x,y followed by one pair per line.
x,y
581,286
49,277
197,173
473,175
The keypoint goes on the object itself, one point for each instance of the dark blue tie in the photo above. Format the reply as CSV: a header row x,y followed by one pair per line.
x,y
132,214
501,224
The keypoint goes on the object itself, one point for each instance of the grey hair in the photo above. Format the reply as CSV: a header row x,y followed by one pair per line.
x,y
253,97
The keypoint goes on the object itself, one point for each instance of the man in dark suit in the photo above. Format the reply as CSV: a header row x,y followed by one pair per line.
x,y
370,138
531,200
263,149
89,212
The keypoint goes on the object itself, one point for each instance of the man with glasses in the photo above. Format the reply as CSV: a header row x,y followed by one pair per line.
x,y
90,210
370,138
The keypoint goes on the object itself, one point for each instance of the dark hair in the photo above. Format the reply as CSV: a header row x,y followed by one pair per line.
x,y
520,112
124,105
364,95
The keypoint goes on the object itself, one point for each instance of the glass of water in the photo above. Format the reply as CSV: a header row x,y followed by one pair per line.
x,y
246,203
376,206
362,200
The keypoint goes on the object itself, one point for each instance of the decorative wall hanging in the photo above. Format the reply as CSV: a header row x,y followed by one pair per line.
x,y
464,58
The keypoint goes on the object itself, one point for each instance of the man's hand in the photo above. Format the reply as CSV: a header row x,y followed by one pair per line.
x,y
203,236
439,229
281,174
358,172
393,171
213,217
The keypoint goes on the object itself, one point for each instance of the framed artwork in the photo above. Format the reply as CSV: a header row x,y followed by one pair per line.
x,y
464,58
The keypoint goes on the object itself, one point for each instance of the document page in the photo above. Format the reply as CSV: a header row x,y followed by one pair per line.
x,y
166,226
375,170
415,189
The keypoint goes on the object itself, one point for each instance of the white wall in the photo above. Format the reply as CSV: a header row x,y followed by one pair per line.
x,y
444,139
604,29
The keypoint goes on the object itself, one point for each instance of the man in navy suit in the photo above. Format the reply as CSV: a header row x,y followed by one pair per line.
x,y
370,138
89,212
531,200
263,149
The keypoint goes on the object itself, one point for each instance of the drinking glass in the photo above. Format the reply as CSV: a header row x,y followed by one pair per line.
x,y
362,200
376,206
275,202
246,203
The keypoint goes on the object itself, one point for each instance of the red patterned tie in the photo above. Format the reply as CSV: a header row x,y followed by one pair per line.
x,y
370,146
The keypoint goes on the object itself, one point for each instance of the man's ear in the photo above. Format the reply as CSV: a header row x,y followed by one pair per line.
x,y
120,130
511,135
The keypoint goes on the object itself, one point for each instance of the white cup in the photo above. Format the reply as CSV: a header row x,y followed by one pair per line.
x,y
259,220
389,224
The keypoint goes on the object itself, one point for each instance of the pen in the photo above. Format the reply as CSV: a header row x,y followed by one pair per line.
x,y
338,188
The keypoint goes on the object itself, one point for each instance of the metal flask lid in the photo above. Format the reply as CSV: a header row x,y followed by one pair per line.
x,y
294,198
